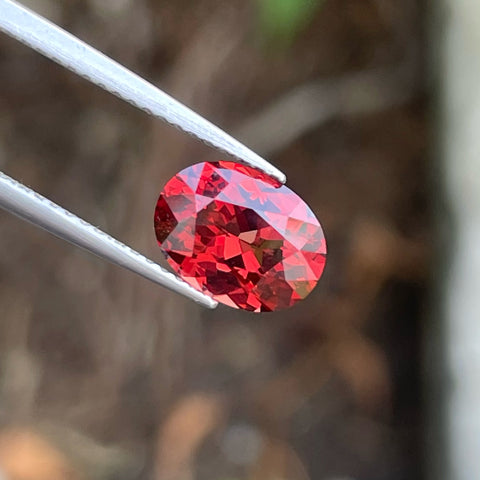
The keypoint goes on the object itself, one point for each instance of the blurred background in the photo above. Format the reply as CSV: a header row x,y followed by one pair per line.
x,y
104,376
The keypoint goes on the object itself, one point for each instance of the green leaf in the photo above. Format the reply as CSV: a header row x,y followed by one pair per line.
x,y
282,20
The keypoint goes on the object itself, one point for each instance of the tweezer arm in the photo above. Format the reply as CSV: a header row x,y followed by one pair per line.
x,y
67,50
29,205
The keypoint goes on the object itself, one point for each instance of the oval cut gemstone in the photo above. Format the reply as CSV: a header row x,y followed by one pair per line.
x,y
238,234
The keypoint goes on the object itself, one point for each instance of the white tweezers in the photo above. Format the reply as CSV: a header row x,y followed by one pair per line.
x,y
79,57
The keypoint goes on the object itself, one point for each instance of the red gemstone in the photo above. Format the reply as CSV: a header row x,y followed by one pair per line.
x,y
240,235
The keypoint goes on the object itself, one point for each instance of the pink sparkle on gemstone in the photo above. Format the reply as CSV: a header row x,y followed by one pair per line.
x,y
240,235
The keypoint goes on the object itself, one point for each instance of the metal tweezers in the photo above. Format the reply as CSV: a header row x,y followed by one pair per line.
x,y
82,59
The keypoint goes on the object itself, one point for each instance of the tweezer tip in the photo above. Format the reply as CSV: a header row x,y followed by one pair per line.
x,y
282,178
256,161
212,304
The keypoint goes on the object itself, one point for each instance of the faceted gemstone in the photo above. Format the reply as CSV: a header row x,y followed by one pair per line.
x,y
238,234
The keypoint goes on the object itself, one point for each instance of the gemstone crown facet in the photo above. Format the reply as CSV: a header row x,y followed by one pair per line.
x,y
240,235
